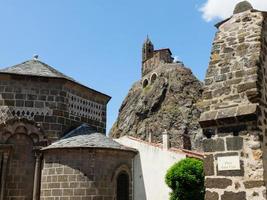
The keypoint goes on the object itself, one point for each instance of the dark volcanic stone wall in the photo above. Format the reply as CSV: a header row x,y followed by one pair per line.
x,y
56,104
91,175
234,104
19,180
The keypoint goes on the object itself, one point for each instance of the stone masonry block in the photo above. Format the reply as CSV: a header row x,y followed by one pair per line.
x,y
56,192
220,183
211,195
235,196
226,113
246,86
213,145
208,165
79,192
253,184
67,192
7,96
234,143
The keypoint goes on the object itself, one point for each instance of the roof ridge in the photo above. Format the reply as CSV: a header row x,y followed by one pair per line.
x,y
73,133
84,137
52,68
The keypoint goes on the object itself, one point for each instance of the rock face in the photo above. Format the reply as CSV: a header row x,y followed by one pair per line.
x,y
164,99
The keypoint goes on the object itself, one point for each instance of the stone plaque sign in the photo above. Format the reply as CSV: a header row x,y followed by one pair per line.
x,y
228,163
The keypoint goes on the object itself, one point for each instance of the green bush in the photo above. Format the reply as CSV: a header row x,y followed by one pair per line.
x,y
186,179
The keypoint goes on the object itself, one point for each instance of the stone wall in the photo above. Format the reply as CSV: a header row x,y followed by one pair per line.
x,y
263,103
57,105
234,102
21,168
159,57
92,175
20,141
246,183
150,167
232,76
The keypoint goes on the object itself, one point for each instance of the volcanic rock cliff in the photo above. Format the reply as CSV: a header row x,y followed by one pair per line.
x,y
164,99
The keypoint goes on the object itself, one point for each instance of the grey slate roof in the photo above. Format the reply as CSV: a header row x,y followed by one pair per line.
x,y
41,69
34,68
85,137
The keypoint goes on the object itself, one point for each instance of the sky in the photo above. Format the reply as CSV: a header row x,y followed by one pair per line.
x,y
98,42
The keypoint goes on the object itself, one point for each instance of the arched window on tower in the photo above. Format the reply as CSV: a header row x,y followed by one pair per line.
x,y
153,78
145,83
123,186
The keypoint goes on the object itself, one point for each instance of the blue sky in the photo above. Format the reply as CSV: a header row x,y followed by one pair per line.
x,y
98,42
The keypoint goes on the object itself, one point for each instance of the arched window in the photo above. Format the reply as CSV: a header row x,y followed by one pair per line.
x,y
123,186
153,78
145,83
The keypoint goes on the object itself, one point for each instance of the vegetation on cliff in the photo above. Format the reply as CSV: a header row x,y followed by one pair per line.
x,y
168,102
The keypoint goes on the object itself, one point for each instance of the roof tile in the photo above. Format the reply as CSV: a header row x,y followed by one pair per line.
x,y
35,68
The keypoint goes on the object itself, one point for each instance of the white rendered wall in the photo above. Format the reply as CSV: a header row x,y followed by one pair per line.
x,y
150,167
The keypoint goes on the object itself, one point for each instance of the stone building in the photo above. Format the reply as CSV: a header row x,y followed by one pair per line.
x,y
86,165
38,106
152,59
234,102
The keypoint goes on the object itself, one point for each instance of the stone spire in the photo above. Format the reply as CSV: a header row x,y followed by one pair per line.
x,y
242,7
148,49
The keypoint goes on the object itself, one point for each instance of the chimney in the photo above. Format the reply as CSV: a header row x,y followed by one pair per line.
x,y
165,140
150,137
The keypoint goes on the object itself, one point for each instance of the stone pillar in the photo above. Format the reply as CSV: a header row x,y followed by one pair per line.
x,y
36,184
234,108
165,140
3,174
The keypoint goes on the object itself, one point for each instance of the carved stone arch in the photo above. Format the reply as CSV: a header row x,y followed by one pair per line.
x,y
21,129
18,136
153,77
23,126
23,163
121,168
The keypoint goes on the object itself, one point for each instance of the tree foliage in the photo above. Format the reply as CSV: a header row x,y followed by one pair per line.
x,y
186,179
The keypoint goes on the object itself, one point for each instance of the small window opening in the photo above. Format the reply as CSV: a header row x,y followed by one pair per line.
x,y
153,78
145,83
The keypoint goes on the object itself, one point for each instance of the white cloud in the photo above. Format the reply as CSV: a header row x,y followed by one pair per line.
x,y
221,9
176,59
